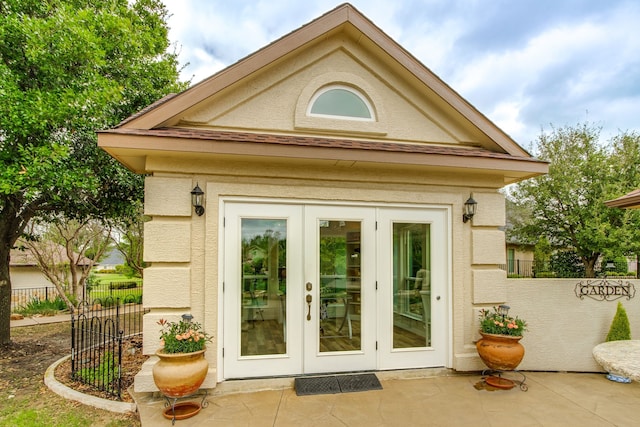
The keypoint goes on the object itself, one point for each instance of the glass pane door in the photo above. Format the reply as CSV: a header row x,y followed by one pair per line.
x,y
339,289
411,285
262,255
340,270
264,286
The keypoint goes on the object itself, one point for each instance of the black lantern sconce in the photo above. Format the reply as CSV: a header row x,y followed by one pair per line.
x,y
503,310
196,199
187,317
469,209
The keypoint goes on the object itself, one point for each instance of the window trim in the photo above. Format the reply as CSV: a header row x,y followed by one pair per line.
x,y
360,95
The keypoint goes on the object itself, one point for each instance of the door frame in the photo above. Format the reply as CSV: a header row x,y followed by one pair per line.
x,y
447,329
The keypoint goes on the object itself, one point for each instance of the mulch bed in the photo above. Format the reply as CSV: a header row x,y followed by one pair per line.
x,y
132,360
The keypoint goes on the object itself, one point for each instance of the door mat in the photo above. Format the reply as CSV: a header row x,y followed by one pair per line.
x,y
336,384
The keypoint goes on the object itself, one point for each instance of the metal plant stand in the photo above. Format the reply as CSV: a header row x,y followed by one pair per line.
x,y
172,402
502,382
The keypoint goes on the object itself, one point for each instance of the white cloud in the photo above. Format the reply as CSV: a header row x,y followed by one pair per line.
x,y
524,64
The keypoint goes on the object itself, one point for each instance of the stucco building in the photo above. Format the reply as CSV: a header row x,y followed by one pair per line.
x,y
335,169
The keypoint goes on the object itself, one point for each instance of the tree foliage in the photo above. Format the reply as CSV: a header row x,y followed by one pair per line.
x,y
67,69
66,251
131,243
567,206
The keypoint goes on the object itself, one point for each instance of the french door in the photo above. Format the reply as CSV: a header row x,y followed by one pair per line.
x,y
305,291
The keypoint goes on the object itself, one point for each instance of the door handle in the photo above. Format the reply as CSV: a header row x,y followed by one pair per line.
x,y
309,299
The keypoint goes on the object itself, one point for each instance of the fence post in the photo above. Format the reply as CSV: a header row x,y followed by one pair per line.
x,y
120,363
73,343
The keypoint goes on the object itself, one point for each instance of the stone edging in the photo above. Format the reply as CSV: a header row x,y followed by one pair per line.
x,y
70,394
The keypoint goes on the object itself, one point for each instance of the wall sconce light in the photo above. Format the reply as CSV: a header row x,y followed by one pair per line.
x,y
187,317
503,310
469,209
196,199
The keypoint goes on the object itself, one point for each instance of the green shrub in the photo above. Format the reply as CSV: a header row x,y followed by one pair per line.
x,y
620,328
619,274
91,282
545,275
123,285
44,307
132,299
104,373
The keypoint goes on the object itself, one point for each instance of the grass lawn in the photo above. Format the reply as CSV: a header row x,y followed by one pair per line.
x,y
24,399
114,277
103,290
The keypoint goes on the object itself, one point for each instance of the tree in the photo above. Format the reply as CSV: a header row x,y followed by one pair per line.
x,y
567,205
67,69
131,243
66,251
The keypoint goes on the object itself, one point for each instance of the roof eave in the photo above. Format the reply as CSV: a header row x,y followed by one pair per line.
x,y
628,201
134,155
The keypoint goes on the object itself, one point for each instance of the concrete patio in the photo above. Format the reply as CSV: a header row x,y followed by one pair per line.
x,y
418,398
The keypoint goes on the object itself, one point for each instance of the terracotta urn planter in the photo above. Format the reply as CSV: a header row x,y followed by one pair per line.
x,y
180,374
500,352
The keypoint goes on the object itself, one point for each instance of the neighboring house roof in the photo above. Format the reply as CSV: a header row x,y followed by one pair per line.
x,y
202,121
628,201
114,257
23,257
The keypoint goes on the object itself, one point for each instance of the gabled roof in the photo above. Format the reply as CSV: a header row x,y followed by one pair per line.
x,y
162,119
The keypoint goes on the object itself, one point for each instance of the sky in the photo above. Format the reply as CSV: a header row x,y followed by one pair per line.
x,y
528,65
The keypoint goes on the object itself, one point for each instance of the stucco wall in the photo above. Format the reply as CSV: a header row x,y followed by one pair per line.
x,y
183,248
27,277
563,329
283,90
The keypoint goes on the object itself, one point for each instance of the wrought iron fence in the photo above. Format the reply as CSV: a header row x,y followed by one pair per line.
x,y
130,290
22,296
518,268
98,329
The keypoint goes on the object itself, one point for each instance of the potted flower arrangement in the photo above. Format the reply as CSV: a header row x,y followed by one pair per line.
x,y
499,347
182,367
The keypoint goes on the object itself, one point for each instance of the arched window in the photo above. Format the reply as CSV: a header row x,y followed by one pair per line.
x,y
340,102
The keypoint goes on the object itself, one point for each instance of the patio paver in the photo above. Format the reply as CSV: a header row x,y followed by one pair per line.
x,y
553,399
